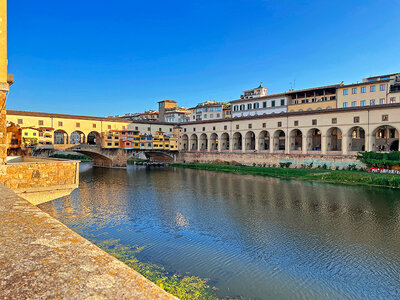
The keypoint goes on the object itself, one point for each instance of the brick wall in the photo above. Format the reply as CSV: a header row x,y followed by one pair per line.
x,y
331,161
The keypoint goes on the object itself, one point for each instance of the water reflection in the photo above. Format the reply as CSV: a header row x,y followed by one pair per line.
x,y
254,237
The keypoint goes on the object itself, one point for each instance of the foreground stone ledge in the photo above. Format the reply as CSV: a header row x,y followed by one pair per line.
x,y
40,258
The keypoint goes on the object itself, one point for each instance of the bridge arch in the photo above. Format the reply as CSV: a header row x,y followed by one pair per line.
x,y
385,138
203,142
250,140
213,141
60,137
193,142
99,159
185,142
296,140
77,137
224,141
264,139
94,138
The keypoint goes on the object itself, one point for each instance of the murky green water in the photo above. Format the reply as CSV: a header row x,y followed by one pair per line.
x,y
252,237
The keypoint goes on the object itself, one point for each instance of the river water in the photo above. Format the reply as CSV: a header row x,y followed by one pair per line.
x,y
253,237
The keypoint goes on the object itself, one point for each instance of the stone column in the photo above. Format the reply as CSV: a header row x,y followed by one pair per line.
x,y
323,144
287,143
369,140
304,143
219,144
345,144
256,143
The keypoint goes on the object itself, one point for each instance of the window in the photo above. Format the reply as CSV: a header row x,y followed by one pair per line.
x,y
393,100
34,134
296,123
354,90
211,109
40,122
334,120
237,126
385,117
204,129
256,105
60,123
26,133
149,129
20,121
363,89
372,102
225,127
184,129
170,130
109,144
194,129
356,119
205,116
282,102
273,103
250,126
314,122
218,115
116,144
213,127
94,125
236,108
109,126
78,124
372,88
382,101
345,92
249,106
362,103
354,104
345,104
279,124
211,116
264,125
382,87
159,129
205,109
242,107
264,104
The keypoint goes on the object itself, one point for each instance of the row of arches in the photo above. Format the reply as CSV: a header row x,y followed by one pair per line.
x,y
384,138
61,137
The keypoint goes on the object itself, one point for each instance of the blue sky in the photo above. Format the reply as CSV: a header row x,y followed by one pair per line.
x,y
111,57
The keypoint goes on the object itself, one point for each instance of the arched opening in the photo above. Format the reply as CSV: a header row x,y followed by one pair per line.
x,y
334,139
60,137
94,138
203,142
314,140
296,140
225,142
250,140
385,139
213,142
357,139
279,140
237,141
264,140
193,142
185,142
77,137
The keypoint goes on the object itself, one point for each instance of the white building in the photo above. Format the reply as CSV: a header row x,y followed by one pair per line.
x,y
176,116
254,93
270,104
209,110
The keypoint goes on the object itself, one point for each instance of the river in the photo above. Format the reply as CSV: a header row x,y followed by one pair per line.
x,y
251,237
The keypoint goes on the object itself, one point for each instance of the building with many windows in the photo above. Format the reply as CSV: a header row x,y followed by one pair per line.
x,y
270,104
254,93
208,110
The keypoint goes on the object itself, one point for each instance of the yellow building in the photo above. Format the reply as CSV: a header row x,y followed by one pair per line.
x,y
111,139
136,140
158,140
146,142
29,137
166,143
173,144
319,98
363,94
45,136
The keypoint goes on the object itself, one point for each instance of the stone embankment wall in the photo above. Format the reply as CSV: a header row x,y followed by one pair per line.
x,y
40,180
40,258
269,159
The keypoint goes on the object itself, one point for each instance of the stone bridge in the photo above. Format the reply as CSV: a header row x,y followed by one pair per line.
x,y
118,158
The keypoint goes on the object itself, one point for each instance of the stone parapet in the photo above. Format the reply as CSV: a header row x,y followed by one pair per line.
x,y
40,258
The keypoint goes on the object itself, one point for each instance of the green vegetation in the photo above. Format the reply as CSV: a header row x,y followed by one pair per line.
x,y
80,157
133,160
350,176
380,160
183,287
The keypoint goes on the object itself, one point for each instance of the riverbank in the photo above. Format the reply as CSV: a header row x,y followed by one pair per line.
x,y
320,175
42,258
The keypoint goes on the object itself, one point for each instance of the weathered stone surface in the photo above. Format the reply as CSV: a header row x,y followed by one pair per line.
x,y
40,258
